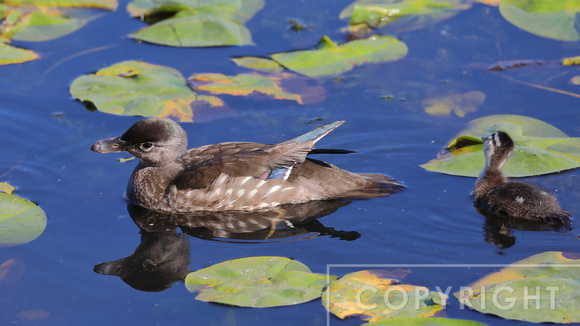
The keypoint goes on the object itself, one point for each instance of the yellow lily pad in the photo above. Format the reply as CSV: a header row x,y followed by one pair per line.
x,y
375,296
21,221
460,104
248,84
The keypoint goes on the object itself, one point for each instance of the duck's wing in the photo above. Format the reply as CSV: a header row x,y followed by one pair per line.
x,y
238,159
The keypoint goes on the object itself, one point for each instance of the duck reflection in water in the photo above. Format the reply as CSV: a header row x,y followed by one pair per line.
x,y
498,229
163,255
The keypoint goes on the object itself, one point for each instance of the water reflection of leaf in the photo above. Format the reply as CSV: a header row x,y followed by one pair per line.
x,y
460,104
551,278
248,84
194,23
257,282
140,88
421,321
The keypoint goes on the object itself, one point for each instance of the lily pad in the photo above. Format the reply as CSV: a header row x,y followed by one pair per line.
x,y
420,321
257,63
257,282
375,296
540,148
21,221
331,59
552,19
410,14
460,104
247,84
544,288
143,89
35,20
7,188
11,55
195,23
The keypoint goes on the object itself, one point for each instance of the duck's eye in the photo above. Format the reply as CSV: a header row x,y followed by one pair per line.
x,y
146,146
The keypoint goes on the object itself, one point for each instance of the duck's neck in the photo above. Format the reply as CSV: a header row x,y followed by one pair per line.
x,y
489,178
148,184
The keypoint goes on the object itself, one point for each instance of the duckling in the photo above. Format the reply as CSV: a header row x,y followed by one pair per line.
x,y
516,199
234,175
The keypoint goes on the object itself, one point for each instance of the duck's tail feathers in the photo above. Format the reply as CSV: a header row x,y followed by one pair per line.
x,y
380,186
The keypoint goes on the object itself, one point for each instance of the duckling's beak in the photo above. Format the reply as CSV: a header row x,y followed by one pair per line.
x,y
111,145
484,138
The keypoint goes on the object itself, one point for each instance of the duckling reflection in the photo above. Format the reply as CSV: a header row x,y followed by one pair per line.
x,y
498,230
291,221
161,259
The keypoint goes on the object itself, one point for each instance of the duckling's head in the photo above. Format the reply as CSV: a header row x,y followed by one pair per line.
x,y
155,141
497,148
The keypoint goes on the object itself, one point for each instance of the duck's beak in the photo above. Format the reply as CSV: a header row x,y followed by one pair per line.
x,y
111,145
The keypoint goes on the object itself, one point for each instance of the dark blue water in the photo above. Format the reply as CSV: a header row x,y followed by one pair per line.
x,y
431,222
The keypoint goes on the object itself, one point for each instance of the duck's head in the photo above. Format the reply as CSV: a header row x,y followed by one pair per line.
x,y
497,148
155,141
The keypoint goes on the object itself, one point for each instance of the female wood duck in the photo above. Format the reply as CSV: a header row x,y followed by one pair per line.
x,y
234,175
519,200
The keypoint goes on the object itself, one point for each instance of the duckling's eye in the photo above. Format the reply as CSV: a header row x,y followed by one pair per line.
x,y
146,146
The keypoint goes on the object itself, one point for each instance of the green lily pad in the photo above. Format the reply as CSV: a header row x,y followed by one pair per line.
x,y
257,63
408,13
257,282
21,221
11,55
143,89
541,288
540,148
431,321
34,20
374,297
247,84
331,59
195,23
552,19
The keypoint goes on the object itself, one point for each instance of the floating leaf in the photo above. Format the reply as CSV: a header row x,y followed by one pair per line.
x,y
420,321
35,20
330,59
7,188
460,104
415,14
541,288
257,282
575,80
247,84
540,148
552,19
100,4
21,221
140,88
257,63
572,61
11,55
195,23
370,294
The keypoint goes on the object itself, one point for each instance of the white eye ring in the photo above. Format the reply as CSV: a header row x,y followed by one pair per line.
x,y
146,147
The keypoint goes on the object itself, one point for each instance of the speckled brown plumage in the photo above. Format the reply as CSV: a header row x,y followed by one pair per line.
x,y
498,195
234,175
